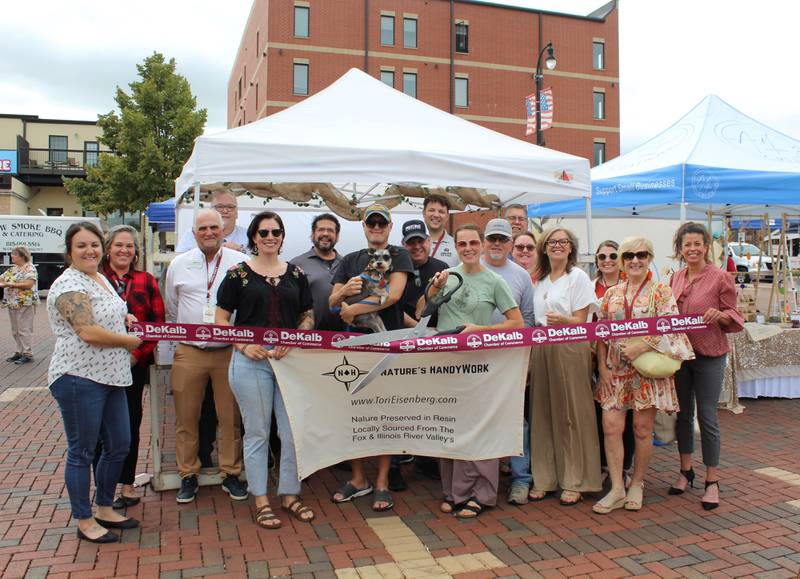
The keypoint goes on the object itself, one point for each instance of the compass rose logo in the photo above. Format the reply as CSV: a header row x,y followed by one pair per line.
x,y
346,373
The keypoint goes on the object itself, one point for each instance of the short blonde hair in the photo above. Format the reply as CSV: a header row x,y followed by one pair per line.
x,y
631,244
22,252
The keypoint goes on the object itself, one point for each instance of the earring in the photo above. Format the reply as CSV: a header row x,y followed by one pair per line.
x,y
254,251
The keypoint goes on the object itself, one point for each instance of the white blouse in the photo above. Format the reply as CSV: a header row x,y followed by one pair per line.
x,y
73,356
569,293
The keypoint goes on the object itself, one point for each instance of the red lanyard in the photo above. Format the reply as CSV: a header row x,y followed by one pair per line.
x,y
438,243
213,277
629,308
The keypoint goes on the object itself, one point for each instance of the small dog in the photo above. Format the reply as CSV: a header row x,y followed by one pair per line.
x,y
374,285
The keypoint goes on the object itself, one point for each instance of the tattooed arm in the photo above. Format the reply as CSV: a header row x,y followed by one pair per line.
x,y
306,320
76,308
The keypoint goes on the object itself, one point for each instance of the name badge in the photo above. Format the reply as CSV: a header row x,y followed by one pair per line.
x,y
209,312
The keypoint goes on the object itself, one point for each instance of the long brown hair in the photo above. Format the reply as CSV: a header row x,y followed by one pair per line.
x,y
543,268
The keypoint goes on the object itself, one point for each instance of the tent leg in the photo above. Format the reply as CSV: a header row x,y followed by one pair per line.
x,y
196,201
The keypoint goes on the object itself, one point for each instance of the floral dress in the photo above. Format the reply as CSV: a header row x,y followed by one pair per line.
x,y
631,389
14,298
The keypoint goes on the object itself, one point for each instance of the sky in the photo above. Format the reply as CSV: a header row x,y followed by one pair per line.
x,y
65,59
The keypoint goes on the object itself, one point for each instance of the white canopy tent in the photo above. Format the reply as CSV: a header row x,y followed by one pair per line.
x,y
364,133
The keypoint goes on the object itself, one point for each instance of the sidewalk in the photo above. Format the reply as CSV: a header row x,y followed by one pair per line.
x,y
755,532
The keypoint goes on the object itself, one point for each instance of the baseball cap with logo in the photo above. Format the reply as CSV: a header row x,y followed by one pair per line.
x,y
414,228
498,227
378,209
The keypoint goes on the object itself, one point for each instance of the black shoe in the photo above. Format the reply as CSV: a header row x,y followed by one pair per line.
x,y
109,537
24,359
428,467
708,506
14,358
689,476
396,481
235,488
188,489
124,524
122,502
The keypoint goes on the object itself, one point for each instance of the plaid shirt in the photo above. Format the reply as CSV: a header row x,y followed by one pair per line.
x,y
139,289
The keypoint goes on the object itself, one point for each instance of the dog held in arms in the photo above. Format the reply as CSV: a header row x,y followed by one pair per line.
x,y
374,289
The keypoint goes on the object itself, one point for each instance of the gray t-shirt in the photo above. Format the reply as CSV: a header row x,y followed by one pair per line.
x,y
519,281
476,300
320,276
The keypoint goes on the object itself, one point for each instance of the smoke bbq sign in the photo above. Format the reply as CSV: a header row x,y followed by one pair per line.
x,y
38,234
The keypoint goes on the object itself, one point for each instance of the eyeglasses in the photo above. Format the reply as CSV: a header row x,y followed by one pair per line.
x,y
558,242
471,243
497,239
264,233
376,223
603,256
640,255
224,207
524,247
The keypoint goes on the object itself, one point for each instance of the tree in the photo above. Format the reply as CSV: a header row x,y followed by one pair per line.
x,y
150,138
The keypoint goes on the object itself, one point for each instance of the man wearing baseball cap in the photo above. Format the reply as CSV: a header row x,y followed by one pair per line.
x,y
347,282
418,243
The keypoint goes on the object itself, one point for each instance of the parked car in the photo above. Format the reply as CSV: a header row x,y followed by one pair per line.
x,y
746,258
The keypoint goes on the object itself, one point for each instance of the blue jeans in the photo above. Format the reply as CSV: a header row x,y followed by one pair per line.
x,y
92,411
521,465
257,393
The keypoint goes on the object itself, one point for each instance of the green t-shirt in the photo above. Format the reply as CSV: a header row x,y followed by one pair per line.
x,y
475,301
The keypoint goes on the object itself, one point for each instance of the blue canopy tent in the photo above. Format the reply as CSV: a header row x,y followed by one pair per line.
x,y
162,214
714,158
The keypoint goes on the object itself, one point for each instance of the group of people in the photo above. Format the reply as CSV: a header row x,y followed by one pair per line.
x,y
588,414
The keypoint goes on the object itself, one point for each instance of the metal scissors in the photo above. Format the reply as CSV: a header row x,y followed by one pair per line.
x,y
431,306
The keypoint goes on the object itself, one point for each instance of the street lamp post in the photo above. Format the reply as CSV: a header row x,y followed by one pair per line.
x,y
550,63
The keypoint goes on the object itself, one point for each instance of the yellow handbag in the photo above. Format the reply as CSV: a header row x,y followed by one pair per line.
x,y
654,364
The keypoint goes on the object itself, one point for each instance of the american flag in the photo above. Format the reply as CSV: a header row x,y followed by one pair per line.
x,y
546,105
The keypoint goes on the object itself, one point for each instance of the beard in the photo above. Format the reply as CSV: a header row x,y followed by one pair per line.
x,y
324,243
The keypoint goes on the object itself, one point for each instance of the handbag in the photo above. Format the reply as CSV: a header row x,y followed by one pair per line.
x,y
664,427
654,364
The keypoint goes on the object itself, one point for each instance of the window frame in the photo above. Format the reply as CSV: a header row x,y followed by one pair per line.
x,y
307,10
416,32
598,147
391,72
465,25
416,83
388,17
52,158
466,91
602,55
87,151
598,112
295,68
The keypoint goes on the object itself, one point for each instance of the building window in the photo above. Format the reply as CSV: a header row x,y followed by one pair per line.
x,y
387,30
258,39
599,107
410,84
55,211
239,90
410,32
387,77
462,92
598,55
301,14
91,152
462,37
256,98
58,149
599,154
300,78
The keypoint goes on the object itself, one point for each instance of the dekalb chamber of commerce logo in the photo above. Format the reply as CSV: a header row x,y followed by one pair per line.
x,y
538,336
662,325
601,331
270,337
407,345
203,334
474,341
137,330
346,373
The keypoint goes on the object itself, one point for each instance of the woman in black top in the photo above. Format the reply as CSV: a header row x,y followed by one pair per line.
x,y
268,292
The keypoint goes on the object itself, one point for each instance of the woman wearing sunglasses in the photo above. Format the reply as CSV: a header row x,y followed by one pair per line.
x,y
523,252
606,258
621,387
265,291
564,448
470,486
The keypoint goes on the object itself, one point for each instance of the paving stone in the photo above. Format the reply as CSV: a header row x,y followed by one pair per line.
x,y
632,566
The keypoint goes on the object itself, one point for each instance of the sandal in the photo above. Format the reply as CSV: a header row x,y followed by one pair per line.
x,y
570,498
681,486
469,510
382,496
447,506
266,519
297,509
634,498
349,492
535,495
606,504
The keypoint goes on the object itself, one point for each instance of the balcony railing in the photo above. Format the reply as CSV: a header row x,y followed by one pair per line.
x,y
62,161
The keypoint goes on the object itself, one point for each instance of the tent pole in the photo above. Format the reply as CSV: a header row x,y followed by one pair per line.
x,y
589,243
196,201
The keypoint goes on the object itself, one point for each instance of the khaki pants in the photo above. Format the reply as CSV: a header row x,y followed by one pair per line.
x,y
191,370
22,327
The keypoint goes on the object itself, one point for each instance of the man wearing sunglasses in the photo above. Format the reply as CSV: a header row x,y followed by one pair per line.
x,y
233,236
347,282
418,244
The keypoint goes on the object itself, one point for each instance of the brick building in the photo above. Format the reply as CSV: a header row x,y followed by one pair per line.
x,y
473,58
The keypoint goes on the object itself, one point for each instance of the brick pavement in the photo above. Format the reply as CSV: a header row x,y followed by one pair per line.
x,y
756,531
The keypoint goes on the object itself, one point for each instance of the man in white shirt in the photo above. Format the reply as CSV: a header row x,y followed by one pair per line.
x,y
233,236
496,247
435,212
190,297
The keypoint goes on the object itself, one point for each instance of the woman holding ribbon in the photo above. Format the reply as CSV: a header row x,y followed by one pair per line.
x,y
471,486
564,449
622,386
703,289
267,292
139,291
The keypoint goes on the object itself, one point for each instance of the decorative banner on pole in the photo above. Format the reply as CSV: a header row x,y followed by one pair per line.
x,y
546,106
462,405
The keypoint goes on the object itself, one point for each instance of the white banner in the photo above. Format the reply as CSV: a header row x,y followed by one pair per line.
x,y
38,233
462,405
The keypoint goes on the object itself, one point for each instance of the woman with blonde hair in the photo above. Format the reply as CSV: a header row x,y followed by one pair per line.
x,y
20,296
565,452
621,387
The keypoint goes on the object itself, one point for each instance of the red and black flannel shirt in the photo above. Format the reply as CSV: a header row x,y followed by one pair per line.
x,y
140,291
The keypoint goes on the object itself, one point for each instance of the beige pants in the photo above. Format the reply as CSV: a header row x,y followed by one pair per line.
x,y
22,327
191,370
